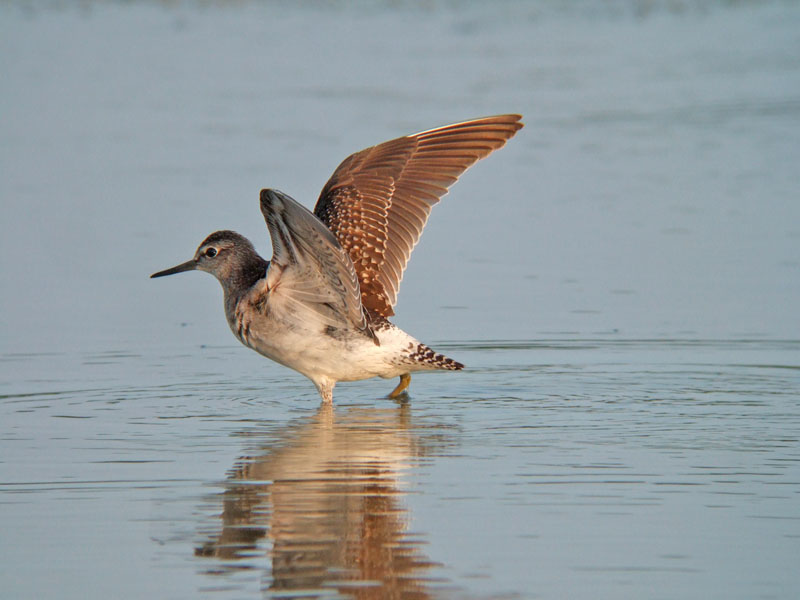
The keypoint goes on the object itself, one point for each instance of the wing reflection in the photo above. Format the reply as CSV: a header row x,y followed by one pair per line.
x,y
328,499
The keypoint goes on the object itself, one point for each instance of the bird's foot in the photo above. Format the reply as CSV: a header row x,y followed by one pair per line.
x,y
405,379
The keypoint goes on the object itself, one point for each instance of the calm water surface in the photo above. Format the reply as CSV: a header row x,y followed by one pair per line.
x,y
622,281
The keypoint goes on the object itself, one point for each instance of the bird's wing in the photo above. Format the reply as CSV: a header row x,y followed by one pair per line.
x,y
378,200
310,273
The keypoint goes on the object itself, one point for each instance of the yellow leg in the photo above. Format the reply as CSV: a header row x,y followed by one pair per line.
x,y
405,379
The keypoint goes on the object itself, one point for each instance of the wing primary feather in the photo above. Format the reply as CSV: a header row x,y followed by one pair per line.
x,y
378,200
317,277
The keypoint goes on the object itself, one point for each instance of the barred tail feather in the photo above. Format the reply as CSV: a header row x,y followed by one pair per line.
x,y
448,364
425,357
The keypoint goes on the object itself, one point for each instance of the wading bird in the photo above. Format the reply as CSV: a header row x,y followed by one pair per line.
x,y
321,305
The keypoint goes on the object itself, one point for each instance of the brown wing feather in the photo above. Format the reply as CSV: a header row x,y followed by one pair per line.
x,y
378,200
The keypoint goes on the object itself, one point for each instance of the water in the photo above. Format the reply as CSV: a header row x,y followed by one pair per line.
x,y
622,281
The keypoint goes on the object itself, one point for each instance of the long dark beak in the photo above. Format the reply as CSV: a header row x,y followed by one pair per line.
x,y
189,265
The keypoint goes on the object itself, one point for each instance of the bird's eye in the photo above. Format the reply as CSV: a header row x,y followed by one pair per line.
x,y
211,252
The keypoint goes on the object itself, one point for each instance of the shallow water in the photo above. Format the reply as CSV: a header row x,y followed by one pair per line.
x,y
621,281
589,467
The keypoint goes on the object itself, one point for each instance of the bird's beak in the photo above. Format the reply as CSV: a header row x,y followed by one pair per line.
x,y
189,265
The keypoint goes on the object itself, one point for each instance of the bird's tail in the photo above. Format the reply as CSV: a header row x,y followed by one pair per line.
x,y
426,358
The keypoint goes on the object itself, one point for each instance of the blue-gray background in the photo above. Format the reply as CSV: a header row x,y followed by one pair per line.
x,y
648,214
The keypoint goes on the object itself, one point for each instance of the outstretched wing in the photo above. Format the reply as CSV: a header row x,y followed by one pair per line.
x,y
378,200
310,273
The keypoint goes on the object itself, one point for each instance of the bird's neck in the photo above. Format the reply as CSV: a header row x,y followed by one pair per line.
x,y
243,276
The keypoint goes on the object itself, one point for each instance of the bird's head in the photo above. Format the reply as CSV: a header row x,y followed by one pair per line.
x,y
227,255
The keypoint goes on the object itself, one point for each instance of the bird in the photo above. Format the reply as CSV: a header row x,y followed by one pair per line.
x,y
321,305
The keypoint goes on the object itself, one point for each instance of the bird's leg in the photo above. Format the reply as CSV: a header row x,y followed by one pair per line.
x,y
325,389
405,379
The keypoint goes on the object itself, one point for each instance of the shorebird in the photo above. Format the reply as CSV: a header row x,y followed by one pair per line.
x,y
321,305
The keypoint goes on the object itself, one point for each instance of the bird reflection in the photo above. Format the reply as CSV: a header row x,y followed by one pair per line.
x,y
328,499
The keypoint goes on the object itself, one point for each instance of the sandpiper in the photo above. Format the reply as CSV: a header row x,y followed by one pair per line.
x,y
321,305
